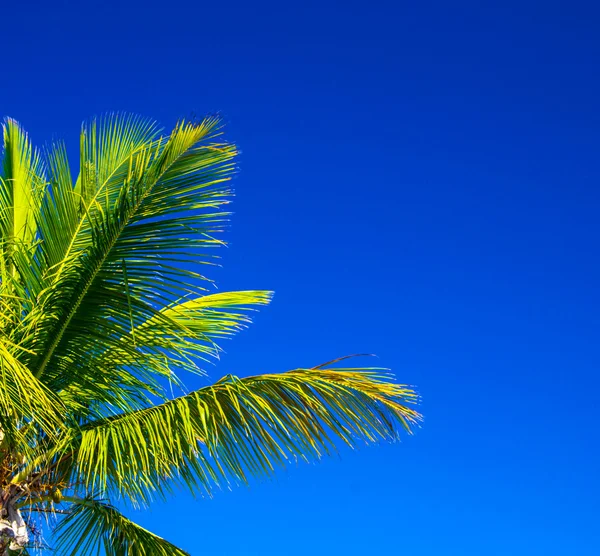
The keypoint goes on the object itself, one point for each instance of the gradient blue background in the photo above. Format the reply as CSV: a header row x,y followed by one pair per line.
x,y
419,180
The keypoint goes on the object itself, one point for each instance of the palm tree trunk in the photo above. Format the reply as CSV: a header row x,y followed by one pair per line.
x,y
13,530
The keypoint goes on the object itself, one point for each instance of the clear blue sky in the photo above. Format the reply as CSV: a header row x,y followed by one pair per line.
x,y
419,180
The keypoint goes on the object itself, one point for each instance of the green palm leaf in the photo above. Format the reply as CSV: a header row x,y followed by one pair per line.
x,y
24,400
239,428
22,186
96,527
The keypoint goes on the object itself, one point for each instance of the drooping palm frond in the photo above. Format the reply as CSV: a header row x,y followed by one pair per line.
x,y
238,428
24,400
96,527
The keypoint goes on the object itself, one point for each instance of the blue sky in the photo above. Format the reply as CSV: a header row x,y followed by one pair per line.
x,y
418,180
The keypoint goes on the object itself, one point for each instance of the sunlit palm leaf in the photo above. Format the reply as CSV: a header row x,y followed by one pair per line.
x,y
186,331
23,399
241,427
22,187
96,527
129,259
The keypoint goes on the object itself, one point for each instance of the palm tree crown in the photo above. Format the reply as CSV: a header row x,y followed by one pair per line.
x,y
104,307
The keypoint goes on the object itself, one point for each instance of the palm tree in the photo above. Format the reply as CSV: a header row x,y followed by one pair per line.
x,y
103,309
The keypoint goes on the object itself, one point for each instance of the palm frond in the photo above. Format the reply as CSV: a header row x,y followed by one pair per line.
x,y
214,315
239,428
134,264
23,399
96,527
22,187
173,339
107,147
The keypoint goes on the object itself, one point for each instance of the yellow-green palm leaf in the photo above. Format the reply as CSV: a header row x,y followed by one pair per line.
x,y
240,427
96,527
